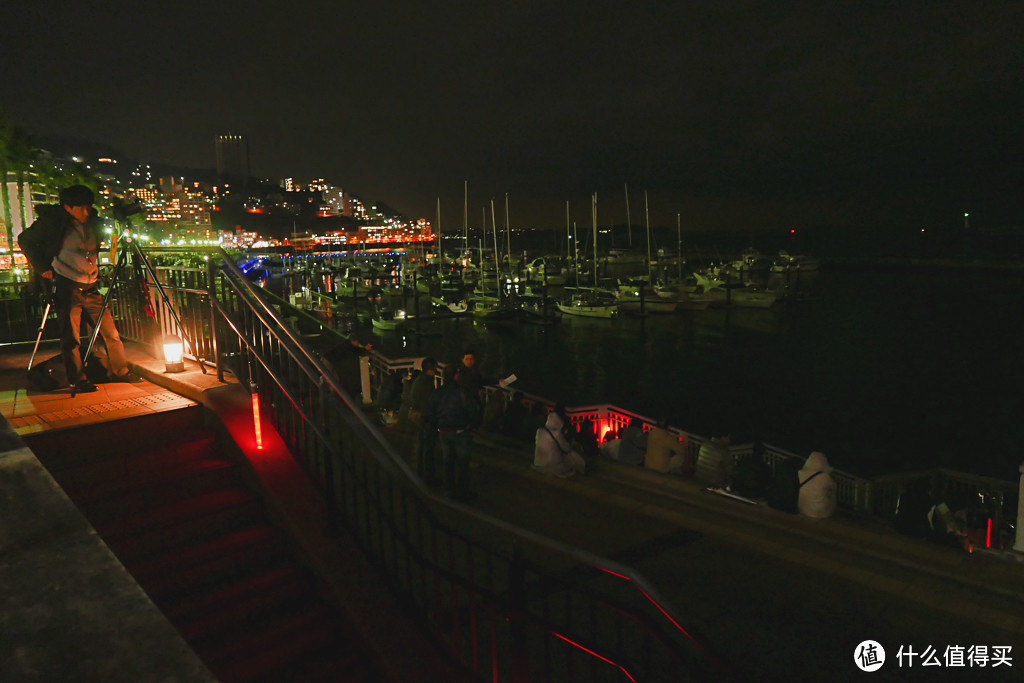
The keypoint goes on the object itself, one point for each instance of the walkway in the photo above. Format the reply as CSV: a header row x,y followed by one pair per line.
x,y
777,594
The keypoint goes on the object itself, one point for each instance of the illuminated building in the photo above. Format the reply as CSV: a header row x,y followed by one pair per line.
x,y
232,159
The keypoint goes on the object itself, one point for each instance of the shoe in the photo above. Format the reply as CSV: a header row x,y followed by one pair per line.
x,y
84,386
129,377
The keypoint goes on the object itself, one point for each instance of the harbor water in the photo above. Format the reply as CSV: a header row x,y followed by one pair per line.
x,y
884,370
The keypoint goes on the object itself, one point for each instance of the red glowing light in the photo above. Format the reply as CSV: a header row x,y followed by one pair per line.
x,y
621,576
988,534
256,420
604,659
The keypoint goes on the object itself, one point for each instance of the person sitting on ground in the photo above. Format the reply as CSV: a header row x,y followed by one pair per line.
x,y
628,446
817,497
567,429
535,419
587,438
553,453
714,463
665,452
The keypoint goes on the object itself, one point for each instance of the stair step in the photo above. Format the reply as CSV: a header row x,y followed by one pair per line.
x,y
329,665
92,466
178,516
275,646
114,439
188,571
162,528
242,612
183,608
133,494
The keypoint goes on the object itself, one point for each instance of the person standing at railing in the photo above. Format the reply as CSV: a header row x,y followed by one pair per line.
x,y
62,245
469,377
419,414
457,415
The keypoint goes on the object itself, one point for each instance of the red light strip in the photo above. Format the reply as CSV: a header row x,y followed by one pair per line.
x,y
988,535
256,420
609,571
604,659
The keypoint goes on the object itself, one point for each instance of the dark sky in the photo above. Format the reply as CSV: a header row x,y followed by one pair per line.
x,y
733,113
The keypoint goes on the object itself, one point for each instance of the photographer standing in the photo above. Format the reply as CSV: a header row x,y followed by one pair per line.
x,y
62,246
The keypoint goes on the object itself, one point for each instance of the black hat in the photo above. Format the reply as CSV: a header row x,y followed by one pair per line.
x,y
76,195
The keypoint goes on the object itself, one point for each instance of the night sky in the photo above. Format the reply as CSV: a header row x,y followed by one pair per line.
x,y
734,113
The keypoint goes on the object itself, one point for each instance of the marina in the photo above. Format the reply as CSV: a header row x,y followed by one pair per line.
x,y
697,551
871,365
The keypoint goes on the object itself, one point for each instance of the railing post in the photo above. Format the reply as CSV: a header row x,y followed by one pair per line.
x,y
1018,544
211,293
520,668
364,380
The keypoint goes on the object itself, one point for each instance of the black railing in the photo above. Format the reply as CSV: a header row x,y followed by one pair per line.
x,y
506,603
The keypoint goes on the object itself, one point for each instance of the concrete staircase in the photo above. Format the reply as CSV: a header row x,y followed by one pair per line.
x,y
164,496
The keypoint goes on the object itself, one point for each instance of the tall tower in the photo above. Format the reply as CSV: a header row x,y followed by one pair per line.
x,y
232,160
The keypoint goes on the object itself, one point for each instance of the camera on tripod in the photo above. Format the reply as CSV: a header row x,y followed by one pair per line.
x,y
123,211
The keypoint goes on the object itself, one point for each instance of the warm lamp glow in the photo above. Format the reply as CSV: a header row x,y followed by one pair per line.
x,y
174,352
256,420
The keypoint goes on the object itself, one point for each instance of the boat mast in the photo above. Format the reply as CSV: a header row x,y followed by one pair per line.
x,y
465,216
679,254
593,213
568,234
497,272
576,254
647,218
508,233
629,226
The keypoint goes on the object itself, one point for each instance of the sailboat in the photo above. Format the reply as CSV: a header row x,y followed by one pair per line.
x,y
589,302
492,309
686,296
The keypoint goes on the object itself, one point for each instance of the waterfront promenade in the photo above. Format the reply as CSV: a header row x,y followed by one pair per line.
x,y
775,594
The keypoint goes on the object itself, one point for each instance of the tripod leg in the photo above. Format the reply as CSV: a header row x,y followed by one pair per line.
x,y
39,337
103,309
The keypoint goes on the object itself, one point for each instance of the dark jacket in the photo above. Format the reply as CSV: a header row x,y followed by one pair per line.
x,y
452,408
41,241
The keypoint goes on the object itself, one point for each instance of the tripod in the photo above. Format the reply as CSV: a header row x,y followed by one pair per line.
x,y
48,284
122,260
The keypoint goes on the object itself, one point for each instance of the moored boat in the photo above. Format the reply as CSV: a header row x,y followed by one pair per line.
x,y
589,305
388,320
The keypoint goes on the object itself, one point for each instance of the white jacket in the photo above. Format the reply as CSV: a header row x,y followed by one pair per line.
x,y
818,495
553,453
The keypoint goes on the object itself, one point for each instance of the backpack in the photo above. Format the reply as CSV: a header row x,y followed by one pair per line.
x,y
751,476
40,242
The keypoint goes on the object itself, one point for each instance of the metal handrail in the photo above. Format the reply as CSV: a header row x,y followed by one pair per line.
x,y
878,496
497,596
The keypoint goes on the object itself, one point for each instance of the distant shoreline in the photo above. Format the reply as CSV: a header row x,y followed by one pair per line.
x,y
904,262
